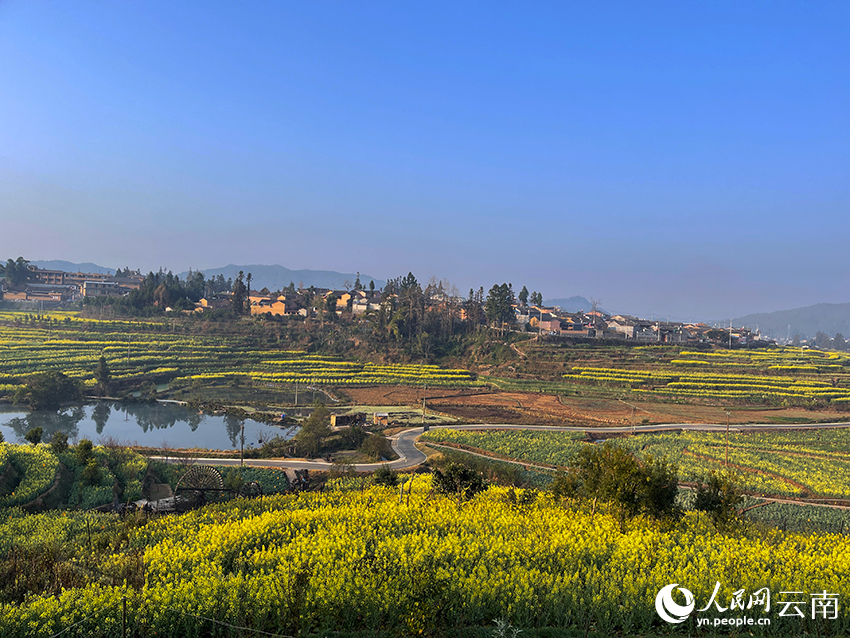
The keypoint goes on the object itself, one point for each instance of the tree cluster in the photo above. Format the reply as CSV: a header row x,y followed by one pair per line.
x,y
424,321
314,430
161,290
432,320
719,495
611,473
499,306
385,476
459,481
825,342
49,390
240,302
17,271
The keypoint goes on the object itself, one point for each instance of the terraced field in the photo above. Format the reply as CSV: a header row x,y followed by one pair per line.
x,y
774,376
142,351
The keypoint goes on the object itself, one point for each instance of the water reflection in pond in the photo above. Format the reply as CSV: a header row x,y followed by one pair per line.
x,y
149,424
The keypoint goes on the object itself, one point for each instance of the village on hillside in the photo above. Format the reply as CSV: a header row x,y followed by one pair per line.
x,y
46,289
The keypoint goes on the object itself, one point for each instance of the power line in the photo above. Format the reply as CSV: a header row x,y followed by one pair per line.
x,y
225,624
185,613
79,622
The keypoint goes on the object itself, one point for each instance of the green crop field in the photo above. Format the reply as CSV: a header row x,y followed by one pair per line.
x,y
795,463
801,518
36,468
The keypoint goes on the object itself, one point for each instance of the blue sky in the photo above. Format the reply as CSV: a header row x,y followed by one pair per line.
x,y
686,159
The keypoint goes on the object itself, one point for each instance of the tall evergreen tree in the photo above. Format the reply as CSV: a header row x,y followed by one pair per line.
x,y
17,271
240,294
523,296
499,305
102,375
248,295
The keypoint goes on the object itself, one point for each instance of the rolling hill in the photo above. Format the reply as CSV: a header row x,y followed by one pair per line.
x,y
806,322
276,277
68,266
570,304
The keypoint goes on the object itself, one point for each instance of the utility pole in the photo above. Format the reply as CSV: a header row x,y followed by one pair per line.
x,y
730,334
539,323
242,447
727,438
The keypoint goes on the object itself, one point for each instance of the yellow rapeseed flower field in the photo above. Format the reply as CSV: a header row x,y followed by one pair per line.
x,y
354,560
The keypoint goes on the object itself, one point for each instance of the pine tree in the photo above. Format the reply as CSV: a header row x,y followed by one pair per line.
x,y
240,294
523,296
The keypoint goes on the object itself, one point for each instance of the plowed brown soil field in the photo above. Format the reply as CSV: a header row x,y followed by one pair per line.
x,y
402,395
546,409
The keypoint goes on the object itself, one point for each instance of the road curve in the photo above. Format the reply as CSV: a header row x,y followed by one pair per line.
x,y
409,456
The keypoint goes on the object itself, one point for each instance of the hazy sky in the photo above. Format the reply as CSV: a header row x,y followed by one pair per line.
x,y
683,158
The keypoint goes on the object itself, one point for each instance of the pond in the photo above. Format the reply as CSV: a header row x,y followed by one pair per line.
x,y
149,424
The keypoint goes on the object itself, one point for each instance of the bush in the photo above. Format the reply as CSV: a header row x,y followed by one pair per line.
x,y
611,473
34,435
91,473
494,472
459,480
274,447
48,391
386,476
59,442
377,447
84,452
354,436
341,469
233,480
566,484
719,495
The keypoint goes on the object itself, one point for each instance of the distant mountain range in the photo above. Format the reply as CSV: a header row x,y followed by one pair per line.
x,y
271,277
571,304
806,322
277,277
67,266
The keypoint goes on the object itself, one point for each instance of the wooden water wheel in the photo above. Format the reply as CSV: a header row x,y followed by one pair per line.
x,y
198,480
